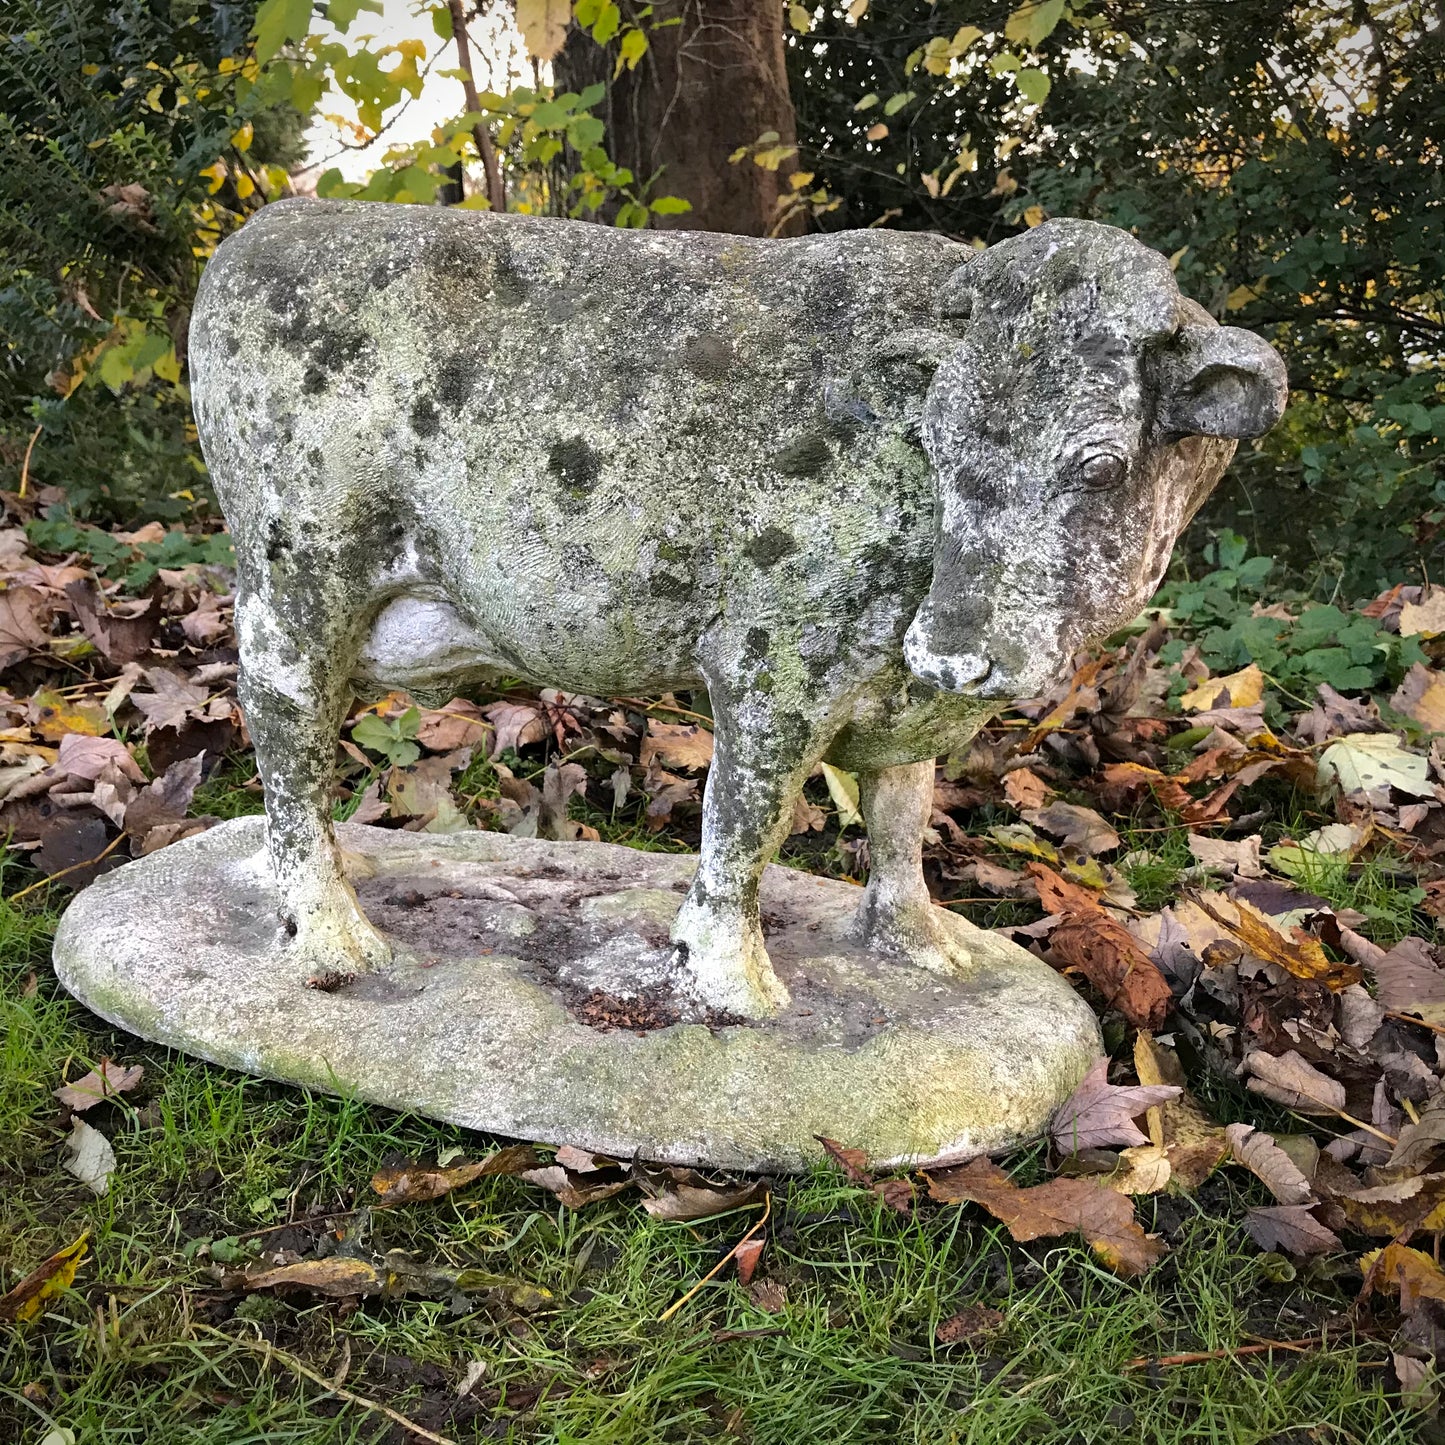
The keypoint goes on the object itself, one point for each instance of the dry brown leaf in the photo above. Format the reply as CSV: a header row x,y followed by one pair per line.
x,y
414,1182
700,1200
1409,1272
1194,1145
1103,950
105,1082
1301,954
1259,1153
1421,1140
1144,1169
1409,981
1421,696
1398,1209
676,745
457,725
338,1276
769,1295
25,614
1426,617
172,701
1025,789
1098,1114
853,1162
1061,1206
574,1190
516,724
1230,856
1076,827
43,1283
1291,1080
967,1324
747,1254
1290,1229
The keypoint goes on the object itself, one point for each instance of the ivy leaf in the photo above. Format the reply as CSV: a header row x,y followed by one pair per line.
x,y
277,23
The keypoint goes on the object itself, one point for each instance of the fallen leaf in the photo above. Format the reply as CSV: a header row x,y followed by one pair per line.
x,y
1327,848
1229,856
1144,1169
1193,1144
1077,827
769,1295
171,701
1020,838
86,757
1239,689
1259,1153
1368,762
25,614
1425,618
676,745
1398,1209
747,1254
516,724
1290,1229
573,1190
459,724
1099,1113
105,1082
55,716
853,1162
121,631
1421,696
92,1160
1420,1140
413,1183
967,1324
1408,981
338,1275
1301,954
1025,789
701,1200
1104,951
1061,1206
1290,1080
1410,1273
43,1283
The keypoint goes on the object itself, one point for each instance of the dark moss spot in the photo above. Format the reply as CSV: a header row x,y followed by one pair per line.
x,y
455,380
709,356
275,540
314,381
425,419
755,644
770,546
805,456
575,465
673,552
671,589
508,285
315,458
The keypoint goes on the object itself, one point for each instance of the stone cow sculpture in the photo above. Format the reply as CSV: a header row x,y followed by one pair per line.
x,y
865,488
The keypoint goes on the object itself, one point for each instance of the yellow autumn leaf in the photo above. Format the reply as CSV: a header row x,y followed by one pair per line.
x,y
1034,216
1239,689
245,186
216,171
543,24
243,137
43,1283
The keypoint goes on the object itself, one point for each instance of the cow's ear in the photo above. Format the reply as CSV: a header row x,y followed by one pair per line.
x,y
1218,381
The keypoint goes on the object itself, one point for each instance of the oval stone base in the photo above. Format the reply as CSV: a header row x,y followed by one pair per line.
x,y
530,997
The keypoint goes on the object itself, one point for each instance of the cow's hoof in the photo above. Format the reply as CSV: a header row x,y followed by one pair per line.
x,y
918,937
339,947
725,967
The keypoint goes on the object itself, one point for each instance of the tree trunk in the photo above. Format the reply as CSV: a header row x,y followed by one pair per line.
x,y
704,88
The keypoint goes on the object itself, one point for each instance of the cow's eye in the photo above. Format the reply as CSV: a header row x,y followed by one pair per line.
x,y
1102,471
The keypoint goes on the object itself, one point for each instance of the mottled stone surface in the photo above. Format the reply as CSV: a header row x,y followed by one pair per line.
x,y
504,948
864,488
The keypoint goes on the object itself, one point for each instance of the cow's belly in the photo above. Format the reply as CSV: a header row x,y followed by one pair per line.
x,y
427,645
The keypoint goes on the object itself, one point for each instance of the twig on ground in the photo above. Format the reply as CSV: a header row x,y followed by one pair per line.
x,y
1411,1019
671,1310
270,1352
1256,1347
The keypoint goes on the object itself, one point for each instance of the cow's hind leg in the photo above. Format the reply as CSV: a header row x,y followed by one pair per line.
x,y
294,687
896,915
765,745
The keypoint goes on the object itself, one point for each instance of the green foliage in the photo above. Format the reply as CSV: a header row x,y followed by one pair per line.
x,y
1283,155
113,116
394,738
1299,646
133,563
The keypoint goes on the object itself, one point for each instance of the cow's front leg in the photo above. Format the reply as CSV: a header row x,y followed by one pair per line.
x,y
762,754
294,691
896,915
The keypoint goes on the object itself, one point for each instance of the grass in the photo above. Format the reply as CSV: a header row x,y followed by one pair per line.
x,y
145,1349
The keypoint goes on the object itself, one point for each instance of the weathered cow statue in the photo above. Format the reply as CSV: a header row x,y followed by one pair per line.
x,y
865,488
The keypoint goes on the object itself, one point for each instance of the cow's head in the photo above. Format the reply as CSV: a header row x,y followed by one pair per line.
x,y
1073,433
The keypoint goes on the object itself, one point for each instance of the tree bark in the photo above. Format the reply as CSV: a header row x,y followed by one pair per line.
x,y
705,87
